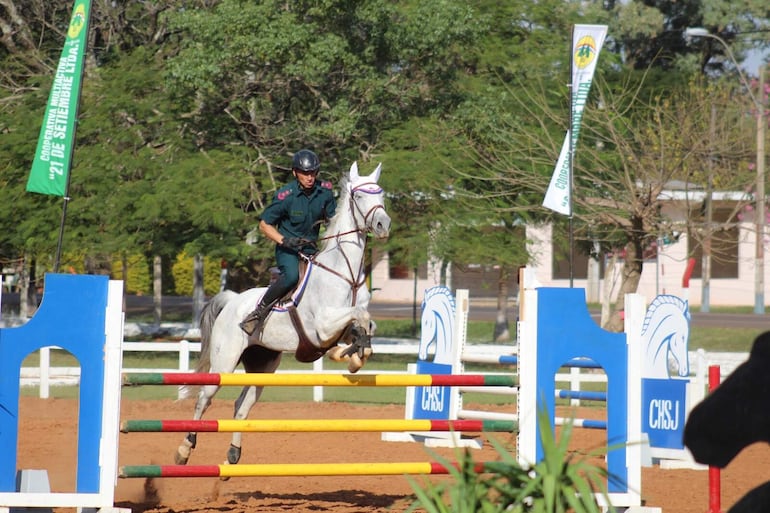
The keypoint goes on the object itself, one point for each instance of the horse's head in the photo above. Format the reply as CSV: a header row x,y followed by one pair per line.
x,y
368,200
665,332
427,334
437,325
678,350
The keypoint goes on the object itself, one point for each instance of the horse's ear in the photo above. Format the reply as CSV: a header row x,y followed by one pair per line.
x,y
376,175
354,172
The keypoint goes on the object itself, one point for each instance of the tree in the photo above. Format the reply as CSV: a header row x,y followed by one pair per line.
x,y
632,149
351,80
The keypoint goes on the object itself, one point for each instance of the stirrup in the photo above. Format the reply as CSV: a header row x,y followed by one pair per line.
x,y
256,319
249,326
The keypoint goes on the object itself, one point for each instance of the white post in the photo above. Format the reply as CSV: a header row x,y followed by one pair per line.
x,y
45,366
184,355
113,363
184,362
635,312
459,338
527,400
318,391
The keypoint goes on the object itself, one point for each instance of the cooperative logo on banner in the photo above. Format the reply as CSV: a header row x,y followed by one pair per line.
x,y
78,21
585,52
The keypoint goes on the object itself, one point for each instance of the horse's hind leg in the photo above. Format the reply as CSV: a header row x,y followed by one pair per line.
x,y
255,359
201,405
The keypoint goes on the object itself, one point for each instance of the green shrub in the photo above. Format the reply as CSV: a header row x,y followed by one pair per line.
x,y
138,279
182,271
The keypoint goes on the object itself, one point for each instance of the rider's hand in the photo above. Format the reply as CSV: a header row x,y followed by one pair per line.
x,y
293,243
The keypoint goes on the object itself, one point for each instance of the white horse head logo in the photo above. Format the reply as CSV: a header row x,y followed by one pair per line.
x,y
665,334
437,325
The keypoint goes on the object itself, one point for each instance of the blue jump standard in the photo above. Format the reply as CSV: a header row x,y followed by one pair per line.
x,y
72,316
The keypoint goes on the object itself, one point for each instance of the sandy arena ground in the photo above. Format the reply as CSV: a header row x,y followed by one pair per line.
x,y
48,434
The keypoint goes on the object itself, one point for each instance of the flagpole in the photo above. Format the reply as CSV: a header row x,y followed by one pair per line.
x,y
571,161
66,197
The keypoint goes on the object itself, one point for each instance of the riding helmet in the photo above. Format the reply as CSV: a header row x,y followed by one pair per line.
x,y
306,160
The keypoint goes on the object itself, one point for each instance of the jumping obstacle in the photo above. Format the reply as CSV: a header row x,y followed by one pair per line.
x,y
443,349
546,346
83,315
292,469
316,425
327,380
308,425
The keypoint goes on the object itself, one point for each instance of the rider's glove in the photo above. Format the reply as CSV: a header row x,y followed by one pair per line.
x,y
293,243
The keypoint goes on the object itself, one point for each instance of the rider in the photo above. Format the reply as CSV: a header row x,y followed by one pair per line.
x,y
292,221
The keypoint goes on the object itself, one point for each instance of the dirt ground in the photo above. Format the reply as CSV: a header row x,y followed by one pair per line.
x,y
48,433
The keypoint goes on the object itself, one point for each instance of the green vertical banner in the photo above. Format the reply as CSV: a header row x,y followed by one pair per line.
x,y
51,166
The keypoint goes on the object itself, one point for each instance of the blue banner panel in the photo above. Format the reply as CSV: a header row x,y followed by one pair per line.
x,y
432,402
663,411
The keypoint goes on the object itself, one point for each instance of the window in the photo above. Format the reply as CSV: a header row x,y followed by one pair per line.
x,y
724,249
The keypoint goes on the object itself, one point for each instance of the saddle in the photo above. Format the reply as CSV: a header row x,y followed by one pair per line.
x,y
306,352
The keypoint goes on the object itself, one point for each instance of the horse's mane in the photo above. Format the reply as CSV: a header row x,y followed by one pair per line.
x,y
342,199
665,301
439,293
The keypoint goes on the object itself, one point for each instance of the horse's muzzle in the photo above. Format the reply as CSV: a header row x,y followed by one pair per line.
x,y
381,226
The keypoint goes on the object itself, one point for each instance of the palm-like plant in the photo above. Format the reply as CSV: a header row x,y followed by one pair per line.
x,y
561,482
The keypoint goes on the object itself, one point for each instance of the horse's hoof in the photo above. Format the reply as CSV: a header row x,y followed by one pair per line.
x,y
233,455
182,455
335,353
355,363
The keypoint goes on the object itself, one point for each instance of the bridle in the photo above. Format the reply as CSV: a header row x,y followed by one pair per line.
x,y
356,279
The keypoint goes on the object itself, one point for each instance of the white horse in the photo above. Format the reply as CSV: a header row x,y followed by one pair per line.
x,y
437,325
665,333
329,307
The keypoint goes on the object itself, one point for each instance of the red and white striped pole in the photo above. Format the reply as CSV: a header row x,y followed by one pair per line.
x,y
715,485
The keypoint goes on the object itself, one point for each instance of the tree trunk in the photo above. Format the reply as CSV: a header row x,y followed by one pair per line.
x,y
629,284
198,293
157,288
609,283
594,276
443,273
23,290
31,298
502,333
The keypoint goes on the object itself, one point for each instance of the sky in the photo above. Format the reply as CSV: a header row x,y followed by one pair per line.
x,y
753,61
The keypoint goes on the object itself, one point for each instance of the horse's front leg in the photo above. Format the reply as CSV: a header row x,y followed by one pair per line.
x,y
347,325
201,405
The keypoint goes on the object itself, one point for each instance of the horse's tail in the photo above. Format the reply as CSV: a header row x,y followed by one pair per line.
x,y
209,314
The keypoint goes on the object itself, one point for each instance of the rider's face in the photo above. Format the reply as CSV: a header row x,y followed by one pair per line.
x,y
306,179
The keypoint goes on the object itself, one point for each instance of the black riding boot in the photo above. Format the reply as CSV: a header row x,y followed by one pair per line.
x,y
253,322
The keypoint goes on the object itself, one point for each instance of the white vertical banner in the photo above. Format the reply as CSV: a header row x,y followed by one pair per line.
x,y
587,41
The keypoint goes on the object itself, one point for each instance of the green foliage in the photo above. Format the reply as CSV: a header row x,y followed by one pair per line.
x,y
183,275
138,279
562,482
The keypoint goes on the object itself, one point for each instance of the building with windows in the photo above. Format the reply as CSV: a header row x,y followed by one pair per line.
x,y
733,258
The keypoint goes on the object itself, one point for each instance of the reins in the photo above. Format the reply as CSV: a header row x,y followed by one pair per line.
x,y
354,282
